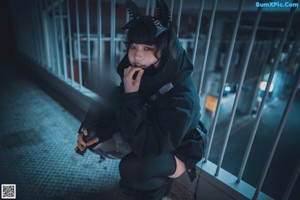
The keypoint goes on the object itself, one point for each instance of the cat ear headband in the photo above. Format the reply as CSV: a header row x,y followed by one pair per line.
x,y
159,22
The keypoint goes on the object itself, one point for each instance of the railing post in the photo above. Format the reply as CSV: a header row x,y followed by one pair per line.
x,y
63,45
56,40
292,182
233,39
87,6
179,16
113,38
70,42
78,45
211,24
99,30
197,31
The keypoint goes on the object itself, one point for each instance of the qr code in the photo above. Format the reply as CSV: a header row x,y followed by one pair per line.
x,y
8,191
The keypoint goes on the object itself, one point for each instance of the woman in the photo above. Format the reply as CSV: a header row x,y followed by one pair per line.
x,y
156,109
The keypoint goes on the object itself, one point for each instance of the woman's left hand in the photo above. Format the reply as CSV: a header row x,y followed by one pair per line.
x,y
131,84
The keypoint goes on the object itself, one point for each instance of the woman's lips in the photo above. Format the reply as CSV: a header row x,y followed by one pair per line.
x,y
140,66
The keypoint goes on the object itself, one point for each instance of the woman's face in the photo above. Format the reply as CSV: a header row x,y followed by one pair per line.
x,y
143,55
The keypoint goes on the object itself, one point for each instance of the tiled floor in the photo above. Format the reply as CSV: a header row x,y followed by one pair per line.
x,y
37,141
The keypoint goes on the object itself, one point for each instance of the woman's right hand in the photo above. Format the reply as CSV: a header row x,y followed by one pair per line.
x,y
131,84
81,144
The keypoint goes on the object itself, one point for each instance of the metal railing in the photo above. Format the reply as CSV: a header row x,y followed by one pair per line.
x,y
53,32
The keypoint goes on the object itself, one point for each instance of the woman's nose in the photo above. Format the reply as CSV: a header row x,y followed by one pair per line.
x,y
138,55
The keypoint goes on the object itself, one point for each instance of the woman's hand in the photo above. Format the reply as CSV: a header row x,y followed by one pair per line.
x,y
131,84
81,144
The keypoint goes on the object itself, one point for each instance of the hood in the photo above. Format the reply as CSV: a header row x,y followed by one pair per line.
x,y
169,71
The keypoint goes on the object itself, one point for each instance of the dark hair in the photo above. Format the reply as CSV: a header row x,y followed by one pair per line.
x,y
141,32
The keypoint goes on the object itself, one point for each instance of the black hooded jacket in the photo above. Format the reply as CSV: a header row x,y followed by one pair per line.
x,y
161,125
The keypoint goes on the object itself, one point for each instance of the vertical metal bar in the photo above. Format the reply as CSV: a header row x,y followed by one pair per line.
x,y
45,19
241,5
127,17
50,36
153,7
197,32
88,41
37,32
260,76
78,45
211,24
56,41
41,5
50,44
30,36
113,37
171,9
292,182
230,52
40,27
99,27
70,43
148,7
63,45
179,16
289,103
34,36
245,65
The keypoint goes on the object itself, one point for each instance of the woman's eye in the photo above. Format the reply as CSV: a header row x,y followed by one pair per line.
x,y
148,49
132,47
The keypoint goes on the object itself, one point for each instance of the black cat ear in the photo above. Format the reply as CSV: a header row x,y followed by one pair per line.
x,y
133,12
132,9
163,12
159,27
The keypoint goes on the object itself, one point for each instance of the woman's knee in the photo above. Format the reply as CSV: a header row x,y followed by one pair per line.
x,y
180,168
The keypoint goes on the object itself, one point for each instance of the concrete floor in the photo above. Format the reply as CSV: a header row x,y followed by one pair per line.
x,y
37,142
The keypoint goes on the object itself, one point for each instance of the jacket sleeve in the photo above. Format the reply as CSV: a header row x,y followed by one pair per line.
x,y
158,130
101,119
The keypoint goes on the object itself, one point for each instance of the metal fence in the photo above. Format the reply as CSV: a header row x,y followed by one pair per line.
x,y
80,42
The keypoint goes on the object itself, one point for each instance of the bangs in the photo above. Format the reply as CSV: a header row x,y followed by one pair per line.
x,y
140,33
